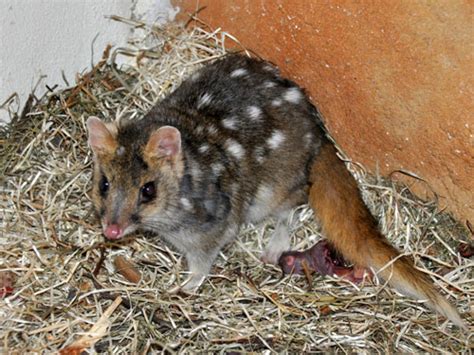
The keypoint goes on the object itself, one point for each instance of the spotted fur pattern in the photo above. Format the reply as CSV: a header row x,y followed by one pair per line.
x,y
248,138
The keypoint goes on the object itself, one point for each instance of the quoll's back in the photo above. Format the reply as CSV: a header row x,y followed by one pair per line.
x,y
239,114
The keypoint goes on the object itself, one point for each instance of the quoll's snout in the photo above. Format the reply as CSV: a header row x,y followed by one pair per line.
x,y
113,231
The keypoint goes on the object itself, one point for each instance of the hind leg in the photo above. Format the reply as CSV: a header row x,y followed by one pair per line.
x,y
278,243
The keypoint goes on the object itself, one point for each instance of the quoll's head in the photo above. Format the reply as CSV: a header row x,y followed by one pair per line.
x,y
136,175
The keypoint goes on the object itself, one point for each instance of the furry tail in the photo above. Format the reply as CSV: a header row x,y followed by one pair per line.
x,y
353,231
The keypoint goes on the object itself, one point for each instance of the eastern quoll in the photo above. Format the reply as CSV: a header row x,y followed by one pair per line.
x,y
237,143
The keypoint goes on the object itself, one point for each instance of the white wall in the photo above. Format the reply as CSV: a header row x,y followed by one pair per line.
x,y
44,37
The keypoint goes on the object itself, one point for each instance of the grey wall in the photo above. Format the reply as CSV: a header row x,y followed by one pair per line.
x,y
41,38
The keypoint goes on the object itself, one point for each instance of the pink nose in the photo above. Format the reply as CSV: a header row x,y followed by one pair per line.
x,y
113,231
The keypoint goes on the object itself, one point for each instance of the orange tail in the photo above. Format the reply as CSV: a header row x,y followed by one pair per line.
x,y
353,231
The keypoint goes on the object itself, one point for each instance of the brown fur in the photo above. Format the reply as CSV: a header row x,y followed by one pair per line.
x,y
353,231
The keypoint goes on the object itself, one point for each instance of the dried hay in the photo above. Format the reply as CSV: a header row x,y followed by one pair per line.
x,y
64,277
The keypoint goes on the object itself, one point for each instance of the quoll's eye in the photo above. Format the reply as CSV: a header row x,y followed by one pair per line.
x,y
148,191
103,185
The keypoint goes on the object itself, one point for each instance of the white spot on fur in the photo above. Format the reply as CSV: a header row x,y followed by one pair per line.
x,y
308,138
276,139
203,148
235,149
276,102
293,95
212,130
120,150
195,170
204,100
258,154
230,123
270,68
199,130
217,168
186,204
269,84
254,112
238,72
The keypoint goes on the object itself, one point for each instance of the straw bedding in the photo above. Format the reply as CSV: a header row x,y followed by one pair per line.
x,y
65,290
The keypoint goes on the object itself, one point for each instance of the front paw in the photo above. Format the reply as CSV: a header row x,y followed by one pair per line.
x,y
192,284
188,287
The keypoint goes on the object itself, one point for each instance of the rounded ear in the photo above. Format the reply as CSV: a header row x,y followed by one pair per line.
x,y
101,136
165,142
